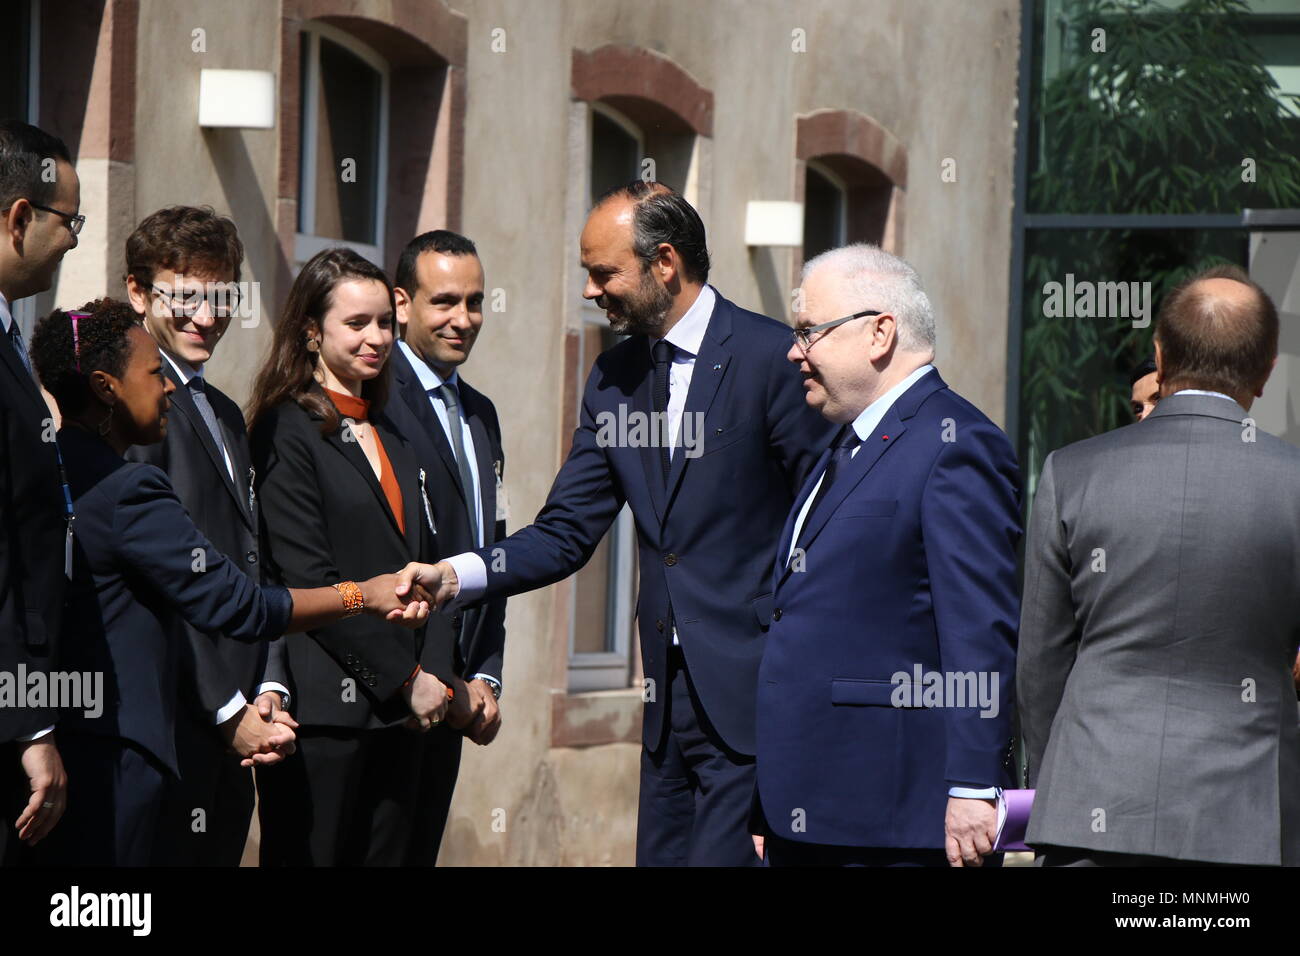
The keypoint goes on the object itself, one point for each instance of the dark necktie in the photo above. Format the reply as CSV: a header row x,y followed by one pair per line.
x,y
843,451
16,336
449,398
198,392
662,353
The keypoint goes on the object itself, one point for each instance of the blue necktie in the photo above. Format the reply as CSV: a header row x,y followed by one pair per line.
x,y
16,336
662,353
449,398
200,396
844,444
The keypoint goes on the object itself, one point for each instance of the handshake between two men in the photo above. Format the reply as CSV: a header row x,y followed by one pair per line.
x,y
263,733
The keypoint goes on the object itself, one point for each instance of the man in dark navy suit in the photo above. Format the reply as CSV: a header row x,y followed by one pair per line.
x,y
182,274
884,696
697,424
39,222
456,435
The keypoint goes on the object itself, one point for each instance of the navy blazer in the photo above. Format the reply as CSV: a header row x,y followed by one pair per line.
x,y
481,629
141,569
214,669
706,540
909,561
33,526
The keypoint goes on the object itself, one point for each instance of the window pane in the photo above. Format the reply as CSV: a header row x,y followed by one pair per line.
x,y
615,159
1145,109
348,105
823,214
1084,330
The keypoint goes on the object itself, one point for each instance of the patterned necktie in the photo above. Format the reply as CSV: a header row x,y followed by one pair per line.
x,y
662,353
16,336
449,398
843,451
199,393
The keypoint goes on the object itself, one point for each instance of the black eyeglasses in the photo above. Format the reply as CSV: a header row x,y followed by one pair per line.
x,y
222,299
74,221
804,337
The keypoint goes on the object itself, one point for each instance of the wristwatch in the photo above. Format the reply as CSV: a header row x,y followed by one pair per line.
x,y
493,684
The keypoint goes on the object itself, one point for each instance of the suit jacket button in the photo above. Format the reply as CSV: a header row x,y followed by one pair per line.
x,y
776,615
455,622
251,557
670,559
659,626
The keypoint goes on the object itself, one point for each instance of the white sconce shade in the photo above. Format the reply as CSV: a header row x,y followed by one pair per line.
x,y
238,98
773,223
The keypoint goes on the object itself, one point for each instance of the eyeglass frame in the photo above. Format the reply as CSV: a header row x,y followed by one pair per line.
x,y
801,336
73,220
179,311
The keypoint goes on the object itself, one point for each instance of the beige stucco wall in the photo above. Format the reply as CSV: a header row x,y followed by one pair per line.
x,y
939,75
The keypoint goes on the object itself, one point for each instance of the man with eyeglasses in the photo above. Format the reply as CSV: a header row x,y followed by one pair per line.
x,y
39,198
884,694
182,276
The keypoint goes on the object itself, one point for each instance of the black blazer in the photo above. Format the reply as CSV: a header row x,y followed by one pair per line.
x,y
213,667
32,530
140,567
481,628
325,519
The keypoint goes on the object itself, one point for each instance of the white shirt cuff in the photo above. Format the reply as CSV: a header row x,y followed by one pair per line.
x,y
974,793
36,736
275,685
232,707
471,572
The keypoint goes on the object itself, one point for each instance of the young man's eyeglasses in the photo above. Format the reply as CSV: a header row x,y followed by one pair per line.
x,y
74,221
804,337
222,299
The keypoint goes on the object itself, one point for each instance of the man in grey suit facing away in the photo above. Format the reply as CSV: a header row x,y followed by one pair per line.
x,y
1161,613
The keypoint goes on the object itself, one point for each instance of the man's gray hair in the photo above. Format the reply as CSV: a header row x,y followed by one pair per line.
x,y
880,280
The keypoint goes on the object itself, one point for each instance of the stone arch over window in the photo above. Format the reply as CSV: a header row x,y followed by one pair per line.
x,y
423,46
861,161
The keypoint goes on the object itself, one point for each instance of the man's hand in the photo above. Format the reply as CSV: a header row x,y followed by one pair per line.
x,y
268,704
464,708
258,741
427,698
41,762
488,722
381,598
970,825
758,844
439,580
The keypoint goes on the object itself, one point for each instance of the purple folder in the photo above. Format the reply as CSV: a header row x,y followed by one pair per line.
x,y
1013,819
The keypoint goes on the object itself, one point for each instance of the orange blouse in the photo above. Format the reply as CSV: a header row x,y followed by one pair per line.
x,y
357,409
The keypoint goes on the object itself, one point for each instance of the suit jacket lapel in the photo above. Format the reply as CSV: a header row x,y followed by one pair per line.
x,y
183,401
710,368
787,533
401,459
10,356
356,457
417,399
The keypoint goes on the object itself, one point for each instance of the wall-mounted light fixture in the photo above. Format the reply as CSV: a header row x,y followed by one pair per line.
x,y
237,98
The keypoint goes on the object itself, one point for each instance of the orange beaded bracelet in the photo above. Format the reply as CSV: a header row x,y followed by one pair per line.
x,y
354,602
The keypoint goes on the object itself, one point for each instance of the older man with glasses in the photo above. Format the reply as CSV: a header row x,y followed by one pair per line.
x,y
884,722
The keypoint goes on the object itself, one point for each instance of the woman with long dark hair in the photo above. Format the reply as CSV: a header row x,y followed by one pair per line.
x,y
340,491
139,568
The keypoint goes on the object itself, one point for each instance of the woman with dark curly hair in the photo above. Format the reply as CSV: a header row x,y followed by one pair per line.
x,y
140,567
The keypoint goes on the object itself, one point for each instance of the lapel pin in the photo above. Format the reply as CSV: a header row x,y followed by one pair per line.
x,y
717,367
884,438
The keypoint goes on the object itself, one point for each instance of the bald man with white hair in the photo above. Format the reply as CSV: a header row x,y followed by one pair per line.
x,y
884,717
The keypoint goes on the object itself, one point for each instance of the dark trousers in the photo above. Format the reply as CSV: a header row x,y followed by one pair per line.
x,y
345,798
695,791
14,794
115,790
205,815
782,852
439,767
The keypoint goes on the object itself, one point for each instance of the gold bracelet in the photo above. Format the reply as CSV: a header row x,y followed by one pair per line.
x,y
354,602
